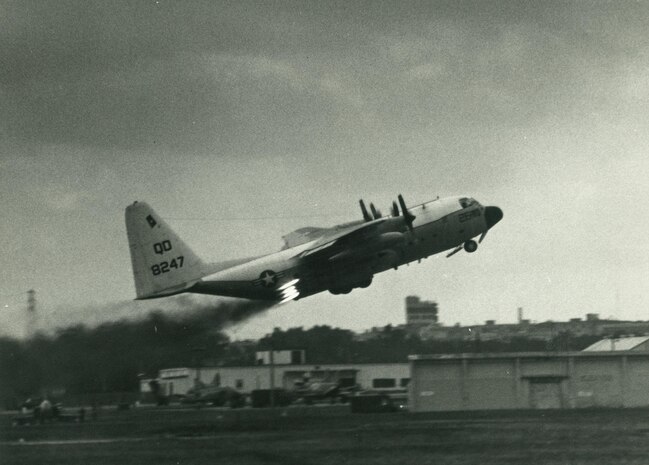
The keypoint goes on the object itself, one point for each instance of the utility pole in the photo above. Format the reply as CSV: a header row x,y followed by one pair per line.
x,y
30,328
272,376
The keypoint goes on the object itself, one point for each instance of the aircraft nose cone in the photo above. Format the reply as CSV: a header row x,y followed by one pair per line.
x,y
493,215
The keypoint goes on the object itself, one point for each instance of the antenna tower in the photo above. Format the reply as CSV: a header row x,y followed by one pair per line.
x,y
31,313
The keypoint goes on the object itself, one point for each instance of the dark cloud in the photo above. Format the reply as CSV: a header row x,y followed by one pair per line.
x,y
149,106
231,76
123,74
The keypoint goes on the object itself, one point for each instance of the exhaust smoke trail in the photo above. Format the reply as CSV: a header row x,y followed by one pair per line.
x,y
219,314
212,313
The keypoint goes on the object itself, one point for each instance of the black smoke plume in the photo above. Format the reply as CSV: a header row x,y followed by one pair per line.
x,y
114,355
217,314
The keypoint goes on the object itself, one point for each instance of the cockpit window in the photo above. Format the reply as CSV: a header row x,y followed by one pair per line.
x,y
466,202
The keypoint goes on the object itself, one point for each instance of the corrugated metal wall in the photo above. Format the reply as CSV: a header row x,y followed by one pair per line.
x,y
521,381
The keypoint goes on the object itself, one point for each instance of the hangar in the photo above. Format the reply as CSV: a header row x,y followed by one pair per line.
x,y
538,380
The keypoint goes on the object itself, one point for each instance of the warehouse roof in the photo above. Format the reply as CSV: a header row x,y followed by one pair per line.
x,y
525,355
615,344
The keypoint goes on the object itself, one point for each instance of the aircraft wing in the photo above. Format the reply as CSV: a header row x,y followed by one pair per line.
x,y
345,238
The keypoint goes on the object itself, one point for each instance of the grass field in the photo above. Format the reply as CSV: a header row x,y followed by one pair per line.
x,y
331,435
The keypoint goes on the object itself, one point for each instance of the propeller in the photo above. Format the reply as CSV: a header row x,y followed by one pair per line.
x,y
376,213
407,216
395,209
366,216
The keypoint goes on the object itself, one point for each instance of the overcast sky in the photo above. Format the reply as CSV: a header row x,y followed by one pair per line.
x,y
242,121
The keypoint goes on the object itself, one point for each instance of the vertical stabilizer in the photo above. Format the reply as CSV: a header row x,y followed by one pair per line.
x,y
162,263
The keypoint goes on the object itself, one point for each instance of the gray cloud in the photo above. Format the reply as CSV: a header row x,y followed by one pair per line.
x,y
229,76
254,109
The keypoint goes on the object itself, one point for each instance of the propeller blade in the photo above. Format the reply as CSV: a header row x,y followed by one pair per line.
x,y
409,217
456,250
366,216
376,213
395,209
482,236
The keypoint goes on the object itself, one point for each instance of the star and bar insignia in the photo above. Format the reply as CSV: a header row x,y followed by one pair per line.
x,y
268,278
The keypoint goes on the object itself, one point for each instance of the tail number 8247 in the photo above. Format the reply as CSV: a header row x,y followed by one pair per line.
x,y
166,267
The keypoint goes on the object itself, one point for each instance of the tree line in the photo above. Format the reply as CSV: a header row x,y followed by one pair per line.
x,y
113,357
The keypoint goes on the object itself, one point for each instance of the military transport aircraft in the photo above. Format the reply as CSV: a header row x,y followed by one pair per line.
x,y
313,260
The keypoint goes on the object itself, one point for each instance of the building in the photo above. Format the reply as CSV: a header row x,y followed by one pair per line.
x,y
592,325
529,380
280,357
381,376
420,312
622,343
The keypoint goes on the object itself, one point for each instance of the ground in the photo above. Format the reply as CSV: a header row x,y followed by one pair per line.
x,y
332,435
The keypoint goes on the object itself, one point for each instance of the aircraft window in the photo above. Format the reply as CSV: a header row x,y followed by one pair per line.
x,y
466,202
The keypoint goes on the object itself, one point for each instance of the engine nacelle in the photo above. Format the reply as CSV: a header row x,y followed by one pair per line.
x,y
345,286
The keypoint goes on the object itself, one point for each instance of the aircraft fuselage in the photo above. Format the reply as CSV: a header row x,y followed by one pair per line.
x,y
439,225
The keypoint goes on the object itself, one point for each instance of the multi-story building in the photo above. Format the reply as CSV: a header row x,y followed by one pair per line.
x,y
420,312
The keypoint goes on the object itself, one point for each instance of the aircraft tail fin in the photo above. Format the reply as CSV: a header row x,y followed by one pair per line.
x,y
162,263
